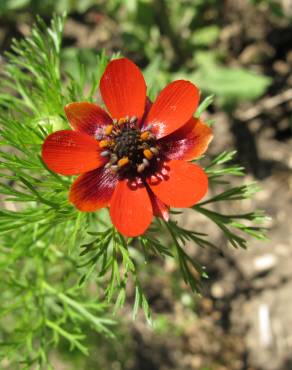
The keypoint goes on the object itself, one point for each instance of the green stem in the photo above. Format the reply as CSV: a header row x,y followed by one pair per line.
x,y
99,323
70,337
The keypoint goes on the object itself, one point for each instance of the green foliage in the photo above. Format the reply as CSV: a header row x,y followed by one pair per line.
x,y
206,36
44,7
275,6
230,85
9,5
162,35
39,231
55,261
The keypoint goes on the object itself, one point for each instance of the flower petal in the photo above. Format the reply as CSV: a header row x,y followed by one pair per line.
x,y
148,105
159,208
131,208
174,106
188,142
123,89
70,153
179,184
86,117
93,190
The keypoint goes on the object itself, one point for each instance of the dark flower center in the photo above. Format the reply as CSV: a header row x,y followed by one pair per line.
x,y
127,144
129,149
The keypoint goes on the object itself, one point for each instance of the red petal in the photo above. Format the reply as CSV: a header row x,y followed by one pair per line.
x,y
123,89
148,105
86,117
70,153
189,142
131,208
174,106
93,190
179,184
159,208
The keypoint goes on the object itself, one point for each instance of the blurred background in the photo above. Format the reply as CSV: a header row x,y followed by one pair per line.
x,y
240,51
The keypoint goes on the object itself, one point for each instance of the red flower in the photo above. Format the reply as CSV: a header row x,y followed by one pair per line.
x,y
133,159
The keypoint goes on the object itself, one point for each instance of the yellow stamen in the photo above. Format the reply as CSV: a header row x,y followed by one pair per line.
x,y
148,154
104,143
121,121
145,135
123,161
109,129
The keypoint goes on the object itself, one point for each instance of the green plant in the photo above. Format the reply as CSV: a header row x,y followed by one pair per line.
x,y
58,265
